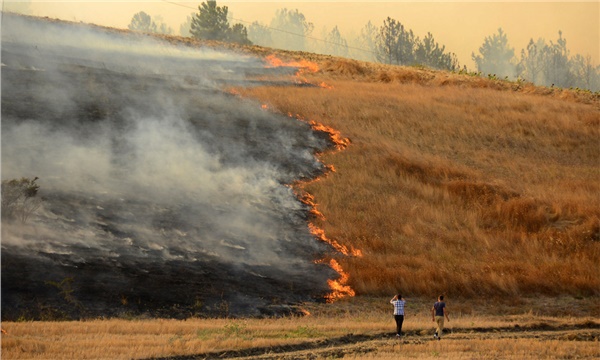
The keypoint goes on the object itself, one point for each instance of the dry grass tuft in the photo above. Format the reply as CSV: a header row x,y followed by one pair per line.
x,y
344,67
405,75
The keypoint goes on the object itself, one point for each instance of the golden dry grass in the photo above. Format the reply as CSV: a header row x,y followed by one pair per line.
x,y
490,348
457,189
526,330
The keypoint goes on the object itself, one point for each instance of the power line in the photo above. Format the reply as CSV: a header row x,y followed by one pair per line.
x,y
282,30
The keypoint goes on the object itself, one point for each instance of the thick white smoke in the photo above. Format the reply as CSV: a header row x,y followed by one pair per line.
x,y
145,164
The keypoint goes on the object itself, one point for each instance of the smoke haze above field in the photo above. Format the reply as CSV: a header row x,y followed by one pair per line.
x,y
460,26
146,165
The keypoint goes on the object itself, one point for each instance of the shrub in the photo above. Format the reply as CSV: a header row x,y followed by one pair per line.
x,y
19,199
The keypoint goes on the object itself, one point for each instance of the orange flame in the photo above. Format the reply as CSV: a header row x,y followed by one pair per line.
x,y
233,91
308,199
338,287
320,234
335,136
304,312
303,65
325,86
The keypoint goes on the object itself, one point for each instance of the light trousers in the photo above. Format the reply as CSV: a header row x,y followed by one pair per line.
x,y
439,320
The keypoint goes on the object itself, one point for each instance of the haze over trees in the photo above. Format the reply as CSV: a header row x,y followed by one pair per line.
x,y
365,41
260,34
143,22
335,43
542,63
495,56
293,28
546,64
185,29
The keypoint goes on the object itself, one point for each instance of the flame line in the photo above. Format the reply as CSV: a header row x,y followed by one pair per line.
x,y
339,288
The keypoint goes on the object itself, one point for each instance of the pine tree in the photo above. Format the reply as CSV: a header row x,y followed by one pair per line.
x,y
210,23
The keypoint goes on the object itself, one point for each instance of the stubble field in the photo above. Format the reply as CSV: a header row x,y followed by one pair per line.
x,y
353,328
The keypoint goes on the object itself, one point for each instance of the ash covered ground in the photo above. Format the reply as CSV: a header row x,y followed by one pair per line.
x,y
162,194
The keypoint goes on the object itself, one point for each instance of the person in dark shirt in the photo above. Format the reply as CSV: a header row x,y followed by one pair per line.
x,y
438,313
398,303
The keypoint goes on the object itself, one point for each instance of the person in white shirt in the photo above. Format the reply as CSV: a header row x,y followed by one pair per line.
x,y
398,303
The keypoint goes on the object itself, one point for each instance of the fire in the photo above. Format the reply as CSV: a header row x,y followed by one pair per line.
x,y
303,65
308,199
304,312
335,136
233,92
320,234
325,86
338,287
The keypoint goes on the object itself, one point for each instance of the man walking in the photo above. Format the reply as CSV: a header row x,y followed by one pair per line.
x,y
438,313
398,303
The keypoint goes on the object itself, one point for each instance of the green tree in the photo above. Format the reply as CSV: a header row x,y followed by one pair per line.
x,y
210,23
429,53
394,44
495,56
238,34
142,22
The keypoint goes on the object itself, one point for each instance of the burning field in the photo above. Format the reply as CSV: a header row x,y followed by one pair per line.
x,y
162,194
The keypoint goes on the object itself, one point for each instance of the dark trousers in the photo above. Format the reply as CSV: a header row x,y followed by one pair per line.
x,y
399,320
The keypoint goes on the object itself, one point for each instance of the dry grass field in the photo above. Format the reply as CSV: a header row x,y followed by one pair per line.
x,y
473,188
484,190
353,328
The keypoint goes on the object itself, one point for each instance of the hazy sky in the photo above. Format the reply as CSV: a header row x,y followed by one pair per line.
x,y
460,26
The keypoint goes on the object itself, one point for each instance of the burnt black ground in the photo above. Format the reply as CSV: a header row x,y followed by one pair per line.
x,y
109,243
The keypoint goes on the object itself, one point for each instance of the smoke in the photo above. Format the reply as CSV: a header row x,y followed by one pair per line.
x,y
162,193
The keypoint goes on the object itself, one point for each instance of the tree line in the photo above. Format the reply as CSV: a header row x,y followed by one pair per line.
x,y
541,63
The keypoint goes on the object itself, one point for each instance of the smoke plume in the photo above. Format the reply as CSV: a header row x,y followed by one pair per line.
x,y
162,194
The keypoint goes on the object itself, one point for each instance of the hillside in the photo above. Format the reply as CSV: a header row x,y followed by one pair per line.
x,y
441,183
452,183
468,187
